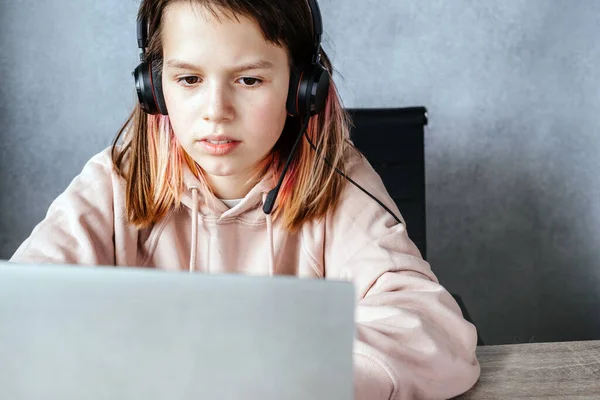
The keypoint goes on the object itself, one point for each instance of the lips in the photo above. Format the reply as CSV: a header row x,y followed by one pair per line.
x,y
218,145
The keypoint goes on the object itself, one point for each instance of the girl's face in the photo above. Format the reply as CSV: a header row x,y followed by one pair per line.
x,y
225,88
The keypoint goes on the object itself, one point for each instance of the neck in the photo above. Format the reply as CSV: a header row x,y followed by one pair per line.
x,y
229,187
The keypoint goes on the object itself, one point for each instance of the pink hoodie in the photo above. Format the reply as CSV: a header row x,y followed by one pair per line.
x,y
411,338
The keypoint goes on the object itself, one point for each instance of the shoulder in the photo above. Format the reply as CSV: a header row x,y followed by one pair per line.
x,y
99,171
98,186
357,211
358,218
356,206
79,224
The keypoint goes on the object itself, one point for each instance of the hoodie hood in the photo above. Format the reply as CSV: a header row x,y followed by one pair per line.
x,y
209,206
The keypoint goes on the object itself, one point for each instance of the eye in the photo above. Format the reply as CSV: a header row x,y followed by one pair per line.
x,y
250,82
187,81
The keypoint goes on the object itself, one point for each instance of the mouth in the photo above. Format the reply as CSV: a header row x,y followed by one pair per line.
x,y
218,146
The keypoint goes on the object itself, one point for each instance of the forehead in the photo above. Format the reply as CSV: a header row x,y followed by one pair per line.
x,y
190,30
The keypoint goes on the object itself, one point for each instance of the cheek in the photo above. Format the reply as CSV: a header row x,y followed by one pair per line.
x,y
177,123
178,116
268,118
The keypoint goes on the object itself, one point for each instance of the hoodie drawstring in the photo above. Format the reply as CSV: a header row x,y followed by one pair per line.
x,y
270,239
194,228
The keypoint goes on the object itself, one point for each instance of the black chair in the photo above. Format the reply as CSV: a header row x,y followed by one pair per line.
x,y
393,141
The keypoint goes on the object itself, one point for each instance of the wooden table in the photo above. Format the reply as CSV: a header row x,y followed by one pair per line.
x,y
566,370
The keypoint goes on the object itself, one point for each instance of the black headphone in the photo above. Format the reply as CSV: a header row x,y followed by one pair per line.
x,y
307,91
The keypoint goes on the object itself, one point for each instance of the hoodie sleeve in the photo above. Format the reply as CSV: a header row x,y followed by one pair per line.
x,y
412,341
79,225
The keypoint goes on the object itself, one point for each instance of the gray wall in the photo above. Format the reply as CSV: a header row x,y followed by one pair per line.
x,y
65,90
512,88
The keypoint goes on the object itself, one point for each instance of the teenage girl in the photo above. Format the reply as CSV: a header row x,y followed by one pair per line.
x,y
237,159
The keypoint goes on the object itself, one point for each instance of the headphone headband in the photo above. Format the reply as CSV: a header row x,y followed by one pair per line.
x,y
142,32
317,20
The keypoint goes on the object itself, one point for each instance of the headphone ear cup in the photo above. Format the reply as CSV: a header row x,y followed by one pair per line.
x,y
309,92
143,87
148,85
159,98
319,90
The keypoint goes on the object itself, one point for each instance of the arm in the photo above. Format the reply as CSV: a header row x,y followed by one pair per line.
x,y
79,225
411,339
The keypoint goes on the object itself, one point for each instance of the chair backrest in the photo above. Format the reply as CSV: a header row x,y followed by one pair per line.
x,y
392,139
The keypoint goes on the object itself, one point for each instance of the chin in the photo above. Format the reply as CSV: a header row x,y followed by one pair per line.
x,y
220,168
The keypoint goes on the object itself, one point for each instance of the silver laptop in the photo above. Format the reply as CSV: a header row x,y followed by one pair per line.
x,y
70,332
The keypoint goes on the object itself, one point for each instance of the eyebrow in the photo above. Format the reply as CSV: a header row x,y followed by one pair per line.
x,y
262,64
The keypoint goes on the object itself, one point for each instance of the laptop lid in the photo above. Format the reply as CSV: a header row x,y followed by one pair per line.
x,y
73,332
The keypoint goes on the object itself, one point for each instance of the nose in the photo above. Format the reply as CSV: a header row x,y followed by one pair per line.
x,y
217,104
